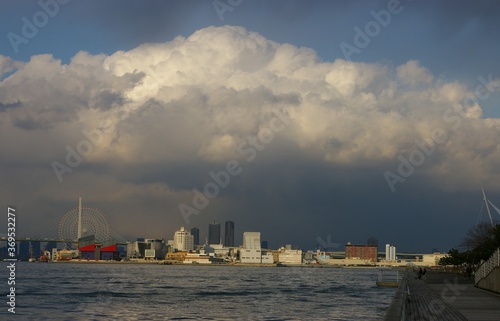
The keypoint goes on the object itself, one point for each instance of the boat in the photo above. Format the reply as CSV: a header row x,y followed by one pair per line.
x,y
31,259
44,257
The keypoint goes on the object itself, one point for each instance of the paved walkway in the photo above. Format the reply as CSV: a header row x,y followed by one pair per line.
x,y
446,296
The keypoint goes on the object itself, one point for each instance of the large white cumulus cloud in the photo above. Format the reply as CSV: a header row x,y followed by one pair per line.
x,y
196,99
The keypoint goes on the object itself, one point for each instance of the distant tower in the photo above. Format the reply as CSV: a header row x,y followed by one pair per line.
x,y
183,240
79,235
229,234
387,252
214,233
393,253
195,232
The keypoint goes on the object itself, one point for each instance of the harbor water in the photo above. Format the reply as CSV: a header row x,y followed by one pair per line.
x,y
87,291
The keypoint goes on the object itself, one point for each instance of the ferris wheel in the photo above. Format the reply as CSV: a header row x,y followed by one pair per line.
x,y
93,222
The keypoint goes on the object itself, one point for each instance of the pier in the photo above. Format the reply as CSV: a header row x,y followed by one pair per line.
x,y
390,277
442,296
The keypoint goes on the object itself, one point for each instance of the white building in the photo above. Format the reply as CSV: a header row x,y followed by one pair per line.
x,y
251,251
287,256
155,244
252,256
197,258
267,258
251,240
183,240
432,259
392,251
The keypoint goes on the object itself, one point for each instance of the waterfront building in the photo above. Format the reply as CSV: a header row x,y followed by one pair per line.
x,y
214,233
197,258
267,258
157,249
183,240
309,256
91,249
179,256
229,234
138,248
387,252
155,244
251,251
195,232
290,257
251,256
361,252
432,259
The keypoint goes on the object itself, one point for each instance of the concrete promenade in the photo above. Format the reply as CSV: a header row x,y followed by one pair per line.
x,y
444,296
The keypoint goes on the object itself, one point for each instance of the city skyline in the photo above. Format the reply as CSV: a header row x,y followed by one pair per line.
x,y
315,123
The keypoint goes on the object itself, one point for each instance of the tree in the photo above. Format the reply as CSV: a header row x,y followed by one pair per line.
x,y
454,257
482,241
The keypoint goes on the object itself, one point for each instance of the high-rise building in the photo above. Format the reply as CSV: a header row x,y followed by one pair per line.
x,y
264,245
214,233
195,232
229,234
183,240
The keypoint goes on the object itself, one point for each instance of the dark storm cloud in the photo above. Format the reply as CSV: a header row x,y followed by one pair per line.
x,y
140,130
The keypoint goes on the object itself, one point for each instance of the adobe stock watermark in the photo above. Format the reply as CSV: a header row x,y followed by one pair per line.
x,y
220,180
328,244
424,149
222,6
84,147
30,27
362,38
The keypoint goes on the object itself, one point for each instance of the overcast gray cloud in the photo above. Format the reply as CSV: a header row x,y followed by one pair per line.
x,y
159,118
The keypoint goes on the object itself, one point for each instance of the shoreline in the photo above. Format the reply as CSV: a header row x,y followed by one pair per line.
x,y
274,265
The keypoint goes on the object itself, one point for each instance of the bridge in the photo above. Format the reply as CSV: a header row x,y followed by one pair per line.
x,y
341,254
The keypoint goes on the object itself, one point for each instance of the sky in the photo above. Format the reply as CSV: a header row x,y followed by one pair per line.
x,y
315,123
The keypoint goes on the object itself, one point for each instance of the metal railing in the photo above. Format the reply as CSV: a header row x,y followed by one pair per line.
x,y
399,308
488,266
390,276
405,313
